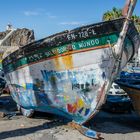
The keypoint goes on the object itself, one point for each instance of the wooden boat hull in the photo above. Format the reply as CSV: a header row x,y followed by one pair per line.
x,y
133,90
69,73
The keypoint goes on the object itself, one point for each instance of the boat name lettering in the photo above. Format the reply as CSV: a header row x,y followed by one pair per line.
x,y
48,53
59,50
63,49
83,34
73,47
54,51
71,36
89,43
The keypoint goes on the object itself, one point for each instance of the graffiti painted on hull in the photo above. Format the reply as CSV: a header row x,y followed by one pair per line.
x,y
76,91
73,90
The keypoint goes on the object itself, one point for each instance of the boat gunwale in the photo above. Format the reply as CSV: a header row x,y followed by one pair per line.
x,y
32,46
63,33
127,84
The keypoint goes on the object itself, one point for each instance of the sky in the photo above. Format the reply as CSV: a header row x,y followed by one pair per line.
x,y
47,17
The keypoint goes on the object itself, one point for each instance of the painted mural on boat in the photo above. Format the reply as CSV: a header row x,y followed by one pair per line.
x,y
70,90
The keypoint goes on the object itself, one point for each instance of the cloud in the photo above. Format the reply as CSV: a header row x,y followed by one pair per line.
x,y
49,15
71,23
38,12
31,13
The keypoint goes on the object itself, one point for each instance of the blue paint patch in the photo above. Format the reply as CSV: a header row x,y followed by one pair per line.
x,y
80,111
30,86
90,133
43,98
87,112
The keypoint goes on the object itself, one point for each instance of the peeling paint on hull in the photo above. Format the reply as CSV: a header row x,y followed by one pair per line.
x,y
71,79
77,92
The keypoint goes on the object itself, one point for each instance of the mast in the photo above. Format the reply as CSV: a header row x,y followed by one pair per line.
x,y
127,13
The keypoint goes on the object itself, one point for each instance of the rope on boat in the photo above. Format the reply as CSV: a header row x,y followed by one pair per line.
x,y
115,56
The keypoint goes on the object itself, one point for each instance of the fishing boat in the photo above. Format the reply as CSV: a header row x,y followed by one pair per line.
x,y
69,73
133,67
117,100
130,82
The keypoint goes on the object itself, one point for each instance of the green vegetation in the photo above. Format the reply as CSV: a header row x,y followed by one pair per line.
x,y
113,14
117,13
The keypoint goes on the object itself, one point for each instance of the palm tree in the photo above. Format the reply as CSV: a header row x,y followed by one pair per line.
x,y
109,15
117,13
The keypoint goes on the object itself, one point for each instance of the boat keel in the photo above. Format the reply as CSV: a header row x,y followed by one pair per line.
x,y
86,131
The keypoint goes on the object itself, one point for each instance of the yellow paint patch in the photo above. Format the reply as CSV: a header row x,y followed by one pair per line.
x,y
68,61
80,103
24,86
58,63
64,62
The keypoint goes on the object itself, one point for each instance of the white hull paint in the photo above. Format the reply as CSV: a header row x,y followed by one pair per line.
x,y
76,84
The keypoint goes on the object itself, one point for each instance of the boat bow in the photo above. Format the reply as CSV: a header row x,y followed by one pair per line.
x,y
127,13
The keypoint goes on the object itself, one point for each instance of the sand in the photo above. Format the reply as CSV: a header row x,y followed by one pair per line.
x,y
44,126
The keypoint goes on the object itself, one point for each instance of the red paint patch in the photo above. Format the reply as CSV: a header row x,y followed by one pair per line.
x,y
72,108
